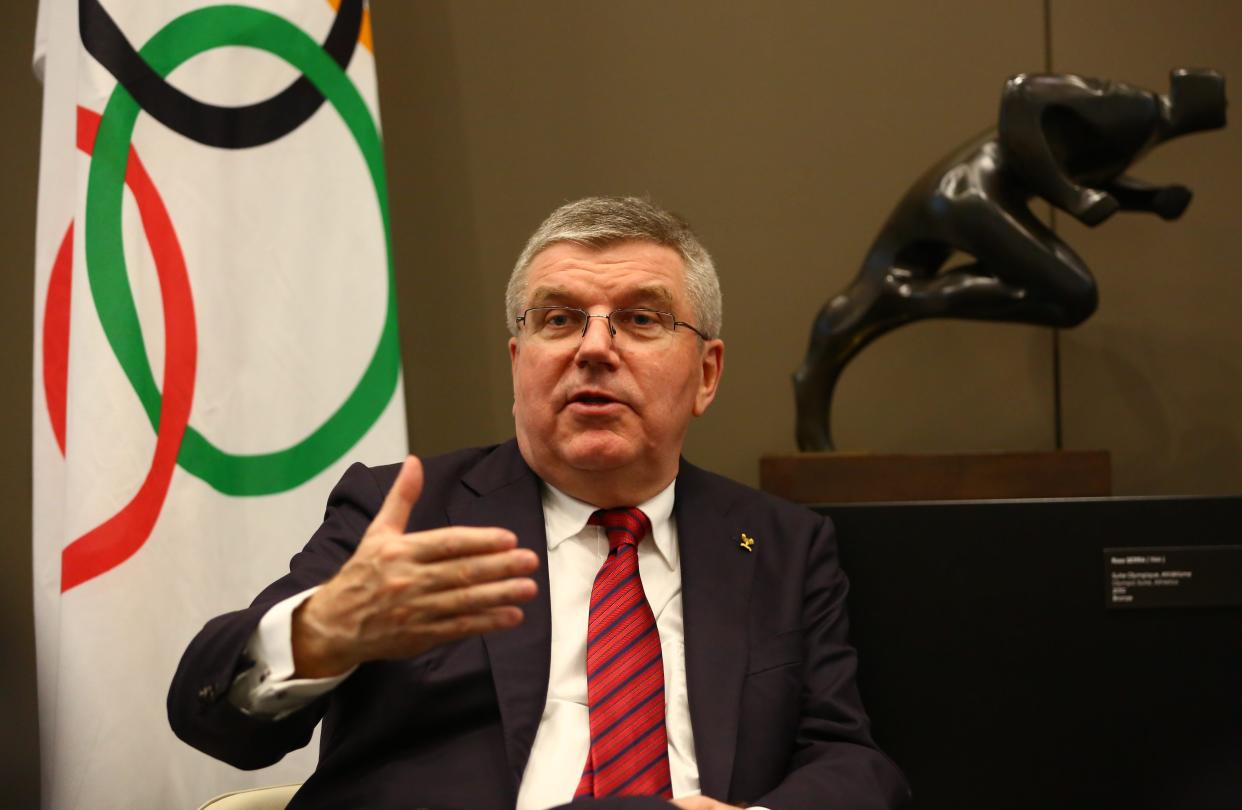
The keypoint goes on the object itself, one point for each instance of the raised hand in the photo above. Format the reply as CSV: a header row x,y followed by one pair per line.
x,y
401,594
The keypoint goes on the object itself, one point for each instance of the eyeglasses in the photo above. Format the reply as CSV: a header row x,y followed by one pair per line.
x,y
639,325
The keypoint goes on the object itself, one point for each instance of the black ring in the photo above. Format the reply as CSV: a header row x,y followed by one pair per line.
x,y
211,124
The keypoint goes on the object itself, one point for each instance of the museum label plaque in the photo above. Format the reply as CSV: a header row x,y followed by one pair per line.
x,y
1173,576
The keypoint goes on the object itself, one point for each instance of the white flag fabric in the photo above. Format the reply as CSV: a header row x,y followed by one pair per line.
x,y
215,341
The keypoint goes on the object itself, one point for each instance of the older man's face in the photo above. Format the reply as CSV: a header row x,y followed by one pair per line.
x,y
603,417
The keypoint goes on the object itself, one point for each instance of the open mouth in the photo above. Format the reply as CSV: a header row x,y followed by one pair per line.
x,y
592,399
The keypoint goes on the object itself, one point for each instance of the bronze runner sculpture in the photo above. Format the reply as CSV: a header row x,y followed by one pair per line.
x,y
1064,138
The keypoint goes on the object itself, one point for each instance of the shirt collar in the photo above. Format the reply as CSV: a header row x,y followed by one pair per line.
x,y
565,517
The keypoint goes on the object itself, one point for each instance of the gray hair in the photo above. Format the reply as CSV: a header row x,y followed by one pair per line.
x,y
601,221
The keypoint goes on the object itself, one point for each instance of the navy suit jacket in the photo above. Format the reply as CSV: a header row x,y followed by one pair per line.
x,y
770,674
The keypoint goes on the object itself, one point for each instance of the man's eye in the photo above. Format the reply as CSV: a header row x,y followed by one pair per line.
x,y
559,320
640,320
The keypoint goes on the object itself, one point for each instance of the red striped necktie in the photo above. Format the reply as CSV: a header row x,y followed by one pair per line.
x,y
625,672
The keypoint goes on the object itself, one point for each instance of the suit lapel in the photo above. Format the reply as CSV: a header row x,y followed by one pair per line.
x,y
502,491
716,576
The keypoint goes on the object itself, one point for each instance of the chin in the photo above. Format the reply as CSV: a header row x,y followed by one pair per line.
x,y
598,452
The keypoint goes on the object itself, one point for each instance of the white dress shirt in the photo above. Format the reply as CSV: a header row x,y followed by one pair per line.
x,y
576,551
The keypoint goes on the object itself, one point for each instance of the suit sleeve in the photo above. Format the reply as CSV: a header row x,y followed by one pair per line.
x,y
199,710
835,764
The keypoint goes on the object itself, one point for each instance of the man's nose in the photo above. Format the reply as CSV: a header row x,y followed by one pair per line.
x,y
597,342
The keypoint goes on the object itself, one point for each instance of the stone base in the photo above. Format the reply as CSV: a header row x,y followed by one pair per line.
x,y
851,477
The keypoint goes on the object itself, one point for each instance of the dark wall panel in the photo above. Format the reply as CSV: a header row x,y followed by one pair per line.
x,y
997,678
19,164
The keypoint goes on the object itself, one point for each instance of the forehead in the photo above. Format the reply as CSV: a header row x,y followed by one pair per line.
x,y
610,273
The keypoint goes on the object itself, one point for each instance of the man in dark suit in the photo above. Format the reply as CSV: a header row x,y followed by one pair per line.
x,y
683,637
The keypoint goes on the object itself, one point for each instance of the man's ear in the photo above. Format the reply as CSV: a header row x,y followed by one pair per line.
x,y
513,357
711,367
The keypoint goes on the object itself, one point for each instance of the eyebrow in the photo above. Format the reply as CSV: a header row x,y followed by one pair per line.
x,y
653,295
544,295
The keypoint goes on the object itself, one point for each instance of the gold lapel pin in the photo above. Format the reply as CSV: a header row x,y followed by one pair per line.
x,y
748,542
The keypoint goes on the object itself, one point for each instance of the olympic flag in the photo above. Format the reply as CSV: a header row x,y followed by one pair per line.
x,y
215,341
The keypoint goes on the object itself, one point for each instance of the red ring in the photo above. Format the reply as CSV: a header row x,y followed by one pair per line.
x,y
115,540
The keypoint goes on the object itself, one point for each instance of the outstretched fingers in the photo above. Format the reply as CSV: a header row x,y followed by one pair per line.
x,y
456,542
402,592
461,603
394,514
464,572
474,624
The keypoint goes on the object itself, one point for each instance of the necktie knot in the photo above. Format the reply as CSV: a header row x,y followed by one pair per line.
x,y
625,525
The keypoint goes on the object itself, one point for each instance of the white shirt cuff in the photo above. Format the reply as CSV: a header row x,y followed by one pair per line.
x,y
268,689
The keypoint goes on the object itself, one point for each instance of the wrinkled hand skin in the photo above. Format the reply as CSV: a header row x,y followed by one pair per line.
x,y
702,803
401,594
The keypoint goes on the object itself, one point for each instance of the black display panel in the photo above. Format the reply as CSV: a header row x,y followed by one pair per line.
x,y
998,676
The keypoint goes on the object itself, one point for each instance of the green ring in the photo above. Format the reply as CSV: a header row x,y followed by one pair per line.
x,y
183,38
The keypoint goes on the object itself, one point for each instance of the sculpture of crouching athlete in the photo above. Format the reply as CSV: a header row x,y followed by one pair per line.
x,y
1066,139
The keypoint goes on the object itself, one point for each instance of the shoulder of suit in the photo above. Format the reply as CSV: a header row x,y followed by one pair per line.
x,y
745,499
449,466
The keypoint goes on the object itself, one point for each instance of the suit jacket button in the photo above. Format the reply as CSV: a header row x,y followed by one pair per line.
x,y
207,694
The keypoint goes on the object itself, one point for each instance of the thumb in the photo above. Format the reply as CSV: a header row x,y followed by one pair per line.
x,y
394,514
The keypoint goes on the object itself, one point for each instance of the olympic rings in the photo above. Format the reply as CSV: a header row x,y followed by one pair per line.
x,y
209,124
183,38
114,164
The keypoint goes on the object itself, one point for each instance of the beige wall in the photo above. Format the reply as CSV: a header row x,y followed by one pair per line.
x,y
785,132
1156,375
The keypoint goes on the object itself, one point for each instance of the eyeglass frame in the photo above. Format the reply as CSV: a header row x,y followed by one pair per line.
x,y
612,330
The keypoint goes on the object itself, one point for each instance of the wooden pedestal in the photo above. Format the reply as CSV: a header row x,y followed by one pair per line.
x,y
849,477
